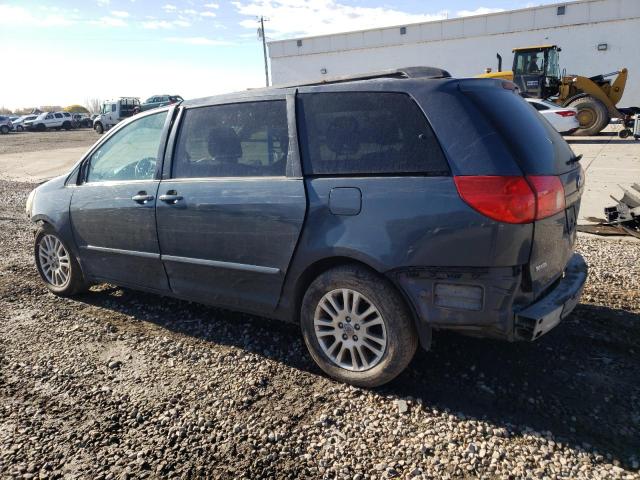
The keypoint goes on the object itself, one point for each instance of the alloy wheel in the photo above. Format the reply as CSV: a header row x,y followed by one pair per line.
x,y
350,330
55,262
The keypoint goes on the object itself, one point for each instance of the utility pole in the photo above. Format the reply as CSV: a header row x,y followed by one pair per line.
x,y
264,49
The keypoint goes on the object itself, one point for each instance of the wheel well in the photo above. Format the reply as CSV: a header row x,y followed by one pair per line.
x,y
316,269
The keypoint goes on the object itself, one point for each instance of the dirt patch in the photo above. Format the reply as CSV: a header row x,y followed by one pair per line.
x,y
21,142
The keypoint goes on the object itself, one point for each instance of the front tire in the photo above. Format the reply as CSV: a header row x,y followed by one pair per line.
x,y
99,128
357,327
19,128
56,265
4,129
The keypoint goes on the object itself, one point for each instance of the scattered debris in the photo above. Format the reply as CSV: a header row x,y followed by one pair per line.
x,y
626,214
623,218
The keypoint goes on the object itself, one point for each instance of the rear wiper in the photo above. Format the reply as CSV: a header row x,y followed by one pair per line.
x,y
575,159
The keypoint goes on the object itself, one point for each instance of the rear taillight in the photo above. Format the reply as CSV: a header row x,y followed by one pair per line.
x,y
506,199
549,195
565,113
512,199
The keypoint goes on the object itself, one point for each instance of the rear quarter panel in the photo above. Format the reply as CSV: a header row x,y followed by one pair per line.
x,y
404,222
407,222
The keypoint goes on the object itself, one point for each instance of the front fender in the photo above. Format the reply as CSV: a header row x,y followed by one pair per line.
x,y
51,205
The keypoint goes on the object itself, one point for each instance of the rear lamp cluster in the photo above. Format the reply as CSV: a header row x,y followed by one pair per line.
x,y
513,199
565,113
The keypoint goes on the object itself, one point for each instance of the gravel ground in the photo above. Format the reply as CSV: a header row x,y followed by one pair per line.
x,y
120,384
20,142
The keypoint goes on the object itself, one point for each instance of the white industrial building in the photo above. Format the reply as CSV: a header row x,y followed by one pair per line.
x,y
596,36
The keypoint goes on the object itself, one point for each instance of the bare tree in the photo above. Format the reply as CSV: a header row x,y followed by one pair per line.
x,y
5,111
24,111
93,105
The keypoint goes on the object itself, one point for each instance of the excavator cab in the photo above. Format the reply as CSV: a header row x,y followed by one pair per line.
x,y
536,70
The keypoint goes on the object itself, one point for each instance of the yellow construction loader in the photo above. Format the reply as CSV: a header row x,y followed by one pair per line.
x,y
536,72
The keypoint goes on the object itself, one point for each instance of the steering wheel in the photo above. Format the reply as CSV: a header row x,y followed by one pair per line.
x,y
145,168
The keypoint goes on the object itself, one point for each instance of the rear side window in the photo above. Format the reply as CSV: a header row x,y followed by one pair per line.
x,y
236,140
538,148
366,133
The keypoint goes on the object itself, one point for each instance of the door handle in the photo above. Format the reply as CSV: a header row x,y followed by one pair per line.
x,y
142,198
171,197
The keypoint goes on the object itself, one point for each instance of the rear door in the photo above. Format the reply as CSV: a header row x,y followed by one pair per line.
x,y
113,207
231,208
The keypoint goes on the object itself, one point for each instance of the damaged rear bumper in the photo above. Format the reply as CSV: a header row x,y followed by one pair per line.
x,y
540,317
488,302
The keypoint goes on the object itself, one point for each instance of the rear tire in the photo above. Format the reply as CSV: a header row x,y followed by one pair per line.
x,y
56,264
66,125
349,344
4,129
592,115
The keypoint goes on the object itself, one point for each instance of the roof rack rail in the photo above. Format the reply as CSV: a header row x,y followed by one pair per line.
x,y
406,72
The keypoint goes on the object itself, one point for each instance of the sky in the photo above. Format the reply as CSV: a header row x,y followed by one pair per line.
x,y
62,52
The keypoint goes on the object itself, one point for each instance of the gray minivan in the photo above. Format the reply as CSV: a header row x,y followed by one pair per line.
x,y
372,211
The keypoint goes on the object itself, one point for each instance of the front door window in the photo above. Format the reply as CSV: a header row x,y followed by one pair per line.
x,y
130,154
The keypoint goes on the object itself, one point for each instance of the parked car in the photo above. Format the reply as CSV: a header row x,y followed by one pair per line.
x,y
5,124
47,120
27,123
18,124
352,208
160,101
563,119
81,120
114,111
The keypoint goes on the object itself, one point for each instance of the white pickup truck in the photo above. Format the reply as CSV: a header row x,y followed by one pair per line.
x,y
48,120
113,111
